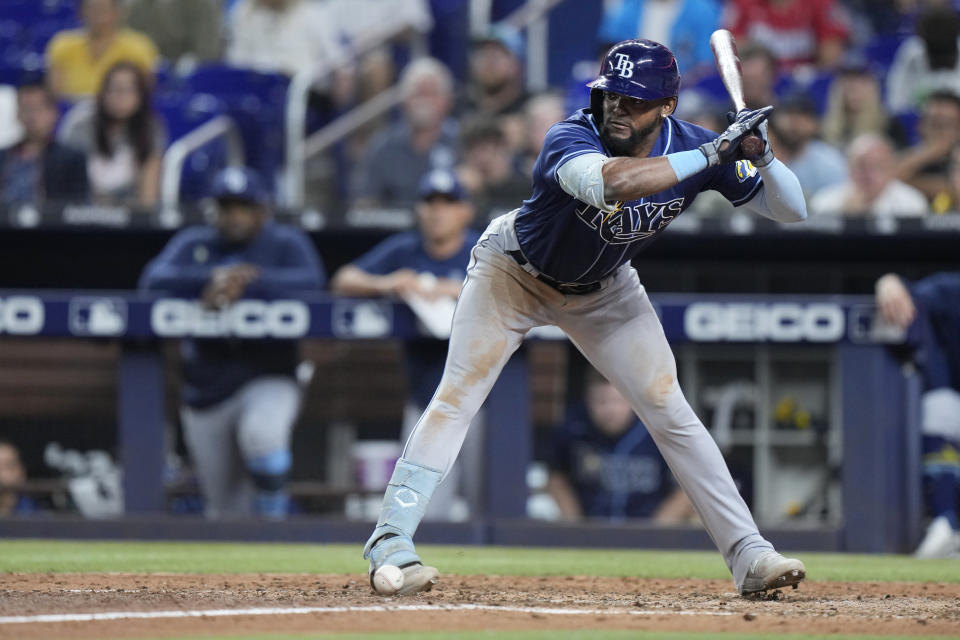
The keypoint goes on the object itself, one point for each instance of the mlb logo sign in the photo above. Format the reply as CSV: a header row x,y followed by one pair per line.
x,y
362,319
98,317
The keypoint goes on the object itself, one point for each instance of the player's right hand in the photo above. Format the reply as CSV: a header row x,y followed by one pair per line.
x,y
894,301
725,148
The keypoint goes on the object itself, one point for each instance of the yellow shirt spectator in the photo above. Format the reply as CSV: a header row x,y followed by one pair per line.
x,y
77,72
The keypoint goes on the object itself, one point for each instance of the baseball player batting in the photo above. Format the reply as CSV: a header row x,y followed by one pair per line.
x,y
607,181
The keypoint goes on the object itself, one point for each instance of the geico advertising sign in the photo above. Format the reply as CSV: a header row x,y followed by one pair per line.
x,y
243,319
776,322
21,315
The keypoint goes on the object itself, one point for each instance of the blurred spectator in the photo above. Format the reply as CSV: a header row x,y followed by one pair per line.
x,y
759,76
12,476
948,200
240,397
924,166
793,128
425,139
78,59
185,31
38,168
123,138
873,189
489,170
10,129
427,264
684,26
284,36
496,83
930,309
606,465
854,107
797,32
926,62
542,112
495,86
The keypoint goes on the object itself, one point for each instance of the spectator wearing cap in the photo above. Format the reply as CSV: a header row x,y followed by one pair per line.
x,y
78,59
854,106
490,170
240,398
873,189
425,139
38,169
682,25
429,264
924,165
794,128
926,62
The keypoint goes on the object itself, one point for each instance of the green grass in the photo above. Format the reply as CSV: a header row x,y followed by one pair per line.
x,y
591,634
34,556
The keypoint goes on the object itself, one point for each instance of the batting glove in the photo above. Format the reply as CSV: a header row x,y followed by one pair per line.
x,y
725,148
766,157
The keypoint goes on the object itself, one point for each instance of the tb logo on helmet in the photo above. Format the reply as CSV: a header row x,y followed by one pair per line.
x,y
624,67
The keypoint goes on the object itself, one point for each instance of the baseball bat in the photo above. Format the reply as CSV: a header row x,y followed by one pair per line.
x,y
731,72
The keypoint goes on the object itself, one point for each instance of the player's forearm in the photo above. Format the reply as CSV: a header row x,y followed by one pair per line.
x,y
563,494
175,279
781,197
351,281
283,280
634,178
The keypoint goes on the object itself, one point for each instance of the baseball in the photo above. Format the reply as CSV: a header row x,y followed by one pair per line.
x,y
752,146
387,580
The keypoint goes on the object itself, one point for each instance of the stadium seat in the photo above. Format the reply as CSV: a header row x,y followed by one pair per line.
x,y
257,101
183,112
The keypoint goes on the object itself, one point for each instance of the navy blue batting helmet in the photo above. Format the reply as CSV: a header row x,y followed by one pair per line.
x,y
641,69
241,184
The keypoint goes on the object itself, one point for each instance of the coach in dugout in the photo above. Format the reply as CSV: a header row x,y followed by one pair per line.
x,y
604,464
929,307
430,263
240,397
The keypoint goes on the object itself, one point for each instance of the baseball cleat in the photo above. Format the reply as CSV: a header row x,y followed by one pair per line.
x,y
773,571
416,578
940,541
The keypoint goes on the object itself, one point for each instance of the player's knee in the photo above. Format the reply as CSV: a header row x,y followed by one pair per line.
x,y
270,471
659,392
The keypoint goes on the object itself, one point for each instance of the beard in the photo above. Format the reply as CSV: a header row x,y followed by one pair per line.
x,y
626,146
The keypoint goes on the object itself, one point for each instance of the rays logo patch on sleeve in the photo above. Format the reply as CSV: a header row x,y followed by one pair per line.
x,y
745,170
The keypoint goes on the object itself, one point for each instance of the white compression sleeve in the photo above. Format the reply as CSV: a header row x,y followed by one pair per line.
x,y
781,197
582,178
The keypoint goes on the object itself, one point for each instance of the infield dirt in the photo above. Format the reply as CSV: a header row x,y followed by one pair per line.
x,y
879,608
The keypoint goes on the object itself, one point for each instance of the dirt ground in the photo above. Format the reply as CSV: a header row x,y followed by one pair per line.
x,y
614,603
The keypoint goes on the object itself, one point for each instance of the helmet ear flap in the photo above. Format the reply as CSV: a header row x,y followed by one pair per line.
x,y
596,106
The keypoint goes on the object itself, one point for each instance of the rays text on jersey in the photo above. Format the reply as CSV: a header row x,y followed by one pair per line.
x,y
630,223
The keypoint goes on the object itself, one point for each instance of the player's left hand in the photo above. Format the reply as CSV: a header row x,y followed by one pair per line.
x,y
760,131
725,148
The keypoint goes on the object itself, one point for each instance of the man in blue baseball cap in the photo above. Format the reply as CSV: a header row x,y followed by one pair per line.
x,y
240,398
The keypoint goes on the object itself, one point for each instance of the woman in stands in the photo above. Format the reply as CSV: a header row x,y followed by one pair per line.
x,y
123,138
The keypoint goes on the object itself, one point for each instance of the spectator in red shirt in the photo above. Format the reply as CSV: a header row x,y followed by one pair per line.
x,y
798,32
